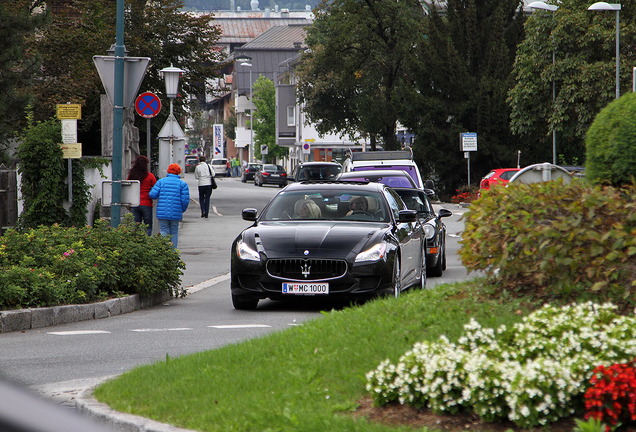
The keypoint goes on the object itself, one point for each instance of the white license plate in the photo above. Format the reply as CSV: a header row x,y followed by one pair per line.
x,y
305,288
275,175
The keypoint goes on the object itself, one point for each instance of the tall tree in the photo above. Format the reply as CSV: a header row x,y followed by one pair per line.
x,y
155,29
584,71
19,20
352,78
462,75
265,119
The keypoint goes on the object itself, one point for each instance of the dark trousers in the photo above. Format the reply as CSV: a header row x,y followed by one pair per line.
x,y
204,199
143,213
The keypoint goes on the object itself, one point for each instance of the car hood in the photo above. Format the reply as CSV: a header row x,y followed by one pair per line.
x,y
324,239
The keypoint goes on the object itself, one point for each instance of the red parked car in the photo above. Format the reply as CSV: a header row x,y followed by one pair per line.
x,y
497,176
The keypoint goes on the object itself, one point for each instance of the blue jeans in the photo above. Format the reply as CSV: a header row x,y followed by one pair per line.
x,y
143,213
204,199
170,228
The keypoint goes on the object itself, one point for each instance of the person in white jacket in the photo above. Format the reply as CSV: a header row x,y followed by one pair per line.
x,y
205,175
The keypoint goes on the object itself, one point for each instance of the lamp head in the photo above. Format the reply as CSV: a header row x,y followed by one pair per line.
x,y
242,58
171,76
246,64
604,6
543,5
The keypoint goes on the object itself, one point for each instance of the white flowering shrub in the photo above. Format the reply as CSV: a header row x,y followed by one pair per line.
x,y
532,373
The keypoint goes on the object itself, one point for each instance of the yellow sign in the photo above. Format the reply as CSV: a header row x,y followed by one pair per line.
x,y
310,140
71,151
69,111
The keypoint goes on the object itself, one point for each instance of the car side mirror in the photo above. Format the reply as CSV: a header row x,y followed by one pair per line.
x,y
249,214
429,184
406,216
444,213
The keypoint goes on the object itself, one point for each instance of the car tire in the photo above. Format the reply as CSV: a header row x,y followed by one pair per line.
x,y
244,180
422,283
244,303
260,184
397,277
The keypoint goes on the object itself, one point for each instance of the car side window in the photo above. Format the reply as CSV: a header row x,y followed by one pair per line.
x,y
395,203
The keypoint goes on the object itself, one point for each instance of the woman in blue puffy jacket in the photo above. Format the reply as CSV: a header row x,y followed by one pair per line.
x,y
173,197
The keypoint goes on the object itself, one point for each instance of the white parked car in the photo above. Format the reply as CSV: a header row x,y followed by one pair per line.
x,y
219,165
383,160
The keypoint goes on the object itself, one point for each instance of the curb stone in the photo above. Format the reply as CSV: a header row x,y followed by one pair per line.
x,y
102,413
28,319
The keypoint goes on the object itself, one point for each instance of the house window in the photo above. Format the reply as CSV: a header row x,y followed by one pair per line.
x,y
291,116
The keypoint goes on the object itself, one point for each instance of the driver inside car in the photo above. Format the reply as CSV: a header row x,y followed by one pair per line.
x,y
358,204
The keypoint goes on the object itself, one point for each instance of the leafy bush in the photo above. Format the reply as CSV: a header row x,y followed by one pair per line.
x,y
611,154
533,373
44,171
52,265
557,242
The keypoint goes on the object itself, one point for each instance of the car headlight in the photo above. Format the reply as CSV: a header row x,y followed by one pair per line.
x,y
246,253
429,231
374,253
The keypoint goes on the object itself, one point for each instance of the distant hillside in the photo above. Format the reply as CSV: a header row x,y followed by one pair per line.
x,y
207,5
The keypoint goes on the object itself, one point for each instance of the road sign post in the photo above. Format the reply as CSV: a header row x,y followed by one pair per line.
x,y
468,143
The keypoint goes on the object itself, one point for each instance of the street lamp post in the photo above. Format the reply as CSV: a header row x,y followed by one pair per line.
x,y
612,7
245,61
171,77
251,149
552,8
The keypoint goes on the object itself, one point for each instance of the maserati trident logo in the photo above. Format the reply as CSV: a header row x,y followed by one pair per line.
x,y
305,269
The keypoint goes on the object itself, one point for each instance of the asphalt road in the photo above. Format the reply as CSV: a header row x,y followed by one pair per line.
x,y
204,320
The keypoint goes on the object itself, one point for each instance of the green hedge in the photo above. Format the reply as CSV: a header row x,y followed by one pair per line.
x,y
555,242
53,265
611,153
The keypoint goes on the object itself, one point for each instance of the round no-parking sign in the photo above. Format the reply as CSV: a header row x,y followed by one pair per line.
x,y
148,105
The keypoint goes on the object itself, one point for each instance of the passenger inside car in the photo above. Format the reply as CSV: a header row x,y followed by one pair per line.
x,y
306,209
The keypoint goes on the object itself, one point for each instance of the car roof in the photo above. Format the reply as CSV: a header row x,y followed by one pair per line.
x,y
320,163
335,185
373,173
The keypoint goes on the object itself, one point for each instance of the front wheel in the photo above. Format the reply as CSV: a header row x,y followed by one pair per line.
x,y
423,276
244,303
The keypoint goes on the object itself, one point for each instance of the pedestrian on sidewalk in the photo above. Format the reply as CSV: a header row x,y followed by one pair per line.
x,y
173,198
147,180
205,175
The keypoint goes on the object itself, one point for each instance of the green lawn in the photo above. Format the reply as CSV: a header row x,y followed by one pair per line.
x,y
306,378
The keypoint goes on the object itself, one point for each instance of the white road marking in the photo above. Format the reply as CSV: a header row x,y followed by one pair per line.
x,y
78,332
239,326
161,330
216,211
208,283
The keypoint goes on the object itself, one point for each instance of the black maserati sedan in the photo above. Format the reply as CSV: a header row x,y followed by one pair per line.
x,y
330,239
432,224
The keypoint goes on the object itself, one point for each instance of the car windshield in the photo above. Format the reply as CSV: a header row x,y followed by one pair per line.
x,y
332,205
408,168
391,181
218,162
415,200
272,168
319,172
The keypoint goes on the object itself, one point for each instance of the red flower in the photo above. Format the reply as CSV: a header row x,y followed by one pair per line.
x,y
612,395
